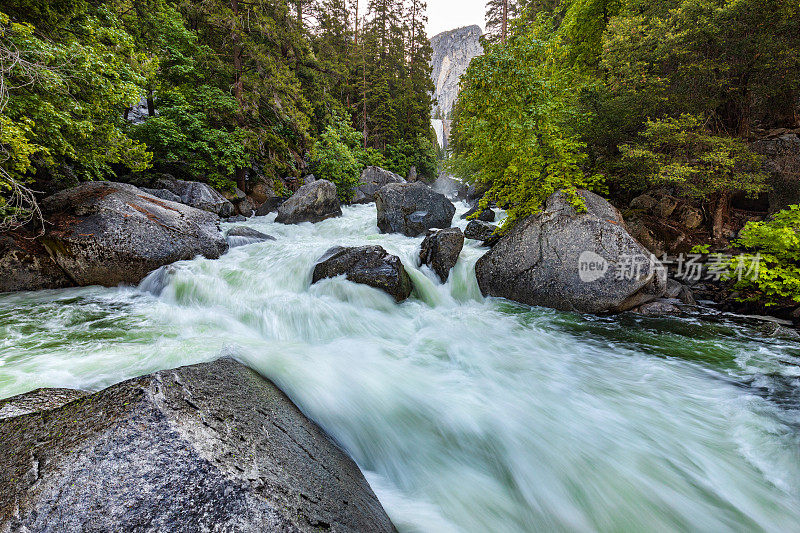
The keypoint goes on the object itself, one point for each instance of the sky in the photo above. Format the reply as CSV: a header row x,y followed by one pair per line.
x,y
446,15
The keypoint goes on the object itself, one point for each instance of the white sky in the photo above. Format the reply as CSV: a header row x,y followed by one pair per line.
x,y
446,15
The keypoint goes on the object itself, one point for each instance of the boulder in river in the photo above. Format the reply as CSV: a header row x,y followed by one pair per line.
x,y
372,179
560,258
314,202
480,231
485,215
106,233
209,447
412,209
197,195
26,265
440,250
243,235
369,265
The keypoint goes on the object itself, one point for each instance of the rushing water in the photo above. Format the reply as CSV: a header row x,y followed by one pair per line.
x,y
466,414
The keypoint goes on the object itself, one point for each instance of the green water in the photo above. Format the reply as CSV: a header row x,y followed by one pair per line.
x,y
466,414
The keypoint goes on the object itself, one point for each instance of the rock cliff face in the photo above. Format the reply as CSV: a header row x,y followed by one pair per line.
x,y
452,52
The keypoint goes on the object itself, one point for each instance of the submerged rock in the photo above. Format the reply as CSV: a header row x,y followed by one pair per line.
x,y
412,209
372,179
680,292
369,265
660,307
210,447
105,233
197,195
440,250
314,202
572,261
242,235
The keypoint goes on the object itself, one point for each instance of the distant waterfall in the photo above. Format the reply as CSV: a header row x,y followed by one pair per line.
x,y
438,127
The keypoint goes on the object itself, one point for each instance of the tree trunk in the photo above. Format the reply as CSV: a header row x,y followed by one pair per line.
x,y
722,206
505,20
151,104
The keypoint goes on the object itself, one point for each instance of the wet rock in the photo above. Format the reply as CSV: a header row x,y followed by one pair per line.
x,y
372,179
309,179
566,260
440,250
263,191
242,236
412,209
660,307
680,292
245,208
479,230
314,202
270,206
37,401
665,207
369,265
197,195
26,265
689,217
105,233
210,447
485,215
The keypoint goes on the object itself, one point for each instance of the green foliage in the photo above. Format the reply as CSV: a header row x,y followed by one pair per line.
x,y
517,126
682,153
777,243
337,155
186,134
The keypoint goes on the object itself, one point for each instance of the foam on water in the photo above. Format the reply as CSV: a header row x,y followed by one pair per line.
x,y
466,414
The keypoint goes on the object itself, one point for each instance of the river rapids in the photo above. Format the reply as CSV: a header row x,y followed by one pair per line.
x,y
465,413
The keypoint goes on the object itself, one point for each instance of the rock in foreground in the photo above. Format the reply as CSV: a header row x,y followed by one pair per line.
x,y
314,202
26,265
585,262
369,265
372,179
210,447
105,233
243,235
480,230
440,250
412,209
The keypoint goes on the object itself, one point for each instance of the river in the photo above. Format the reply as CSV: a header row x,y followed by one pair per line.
x,y
465,413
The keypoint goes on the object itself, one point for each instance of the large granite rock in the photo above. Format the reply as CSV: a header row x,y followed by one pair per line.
x,y
105,233
26,265
243,235
485,215
314,202
197,195
452,53
372,179
563,259
440,250
210,447
369,265
412,209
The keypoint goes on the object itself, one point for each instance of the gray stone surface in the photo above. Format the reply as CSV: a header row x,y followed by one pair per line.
x,y
242,235
372,179
369,265
37,401
412,209
440,250
314,202
479,230
680,292
106,233
485,215
164,194
197,195
26,266
452,53
210,447
539,261
782,161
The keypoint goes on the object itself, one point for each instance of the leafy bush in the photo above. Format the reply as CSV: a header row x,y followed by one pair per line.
x,y
189,131
777,245
337,156
680,152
